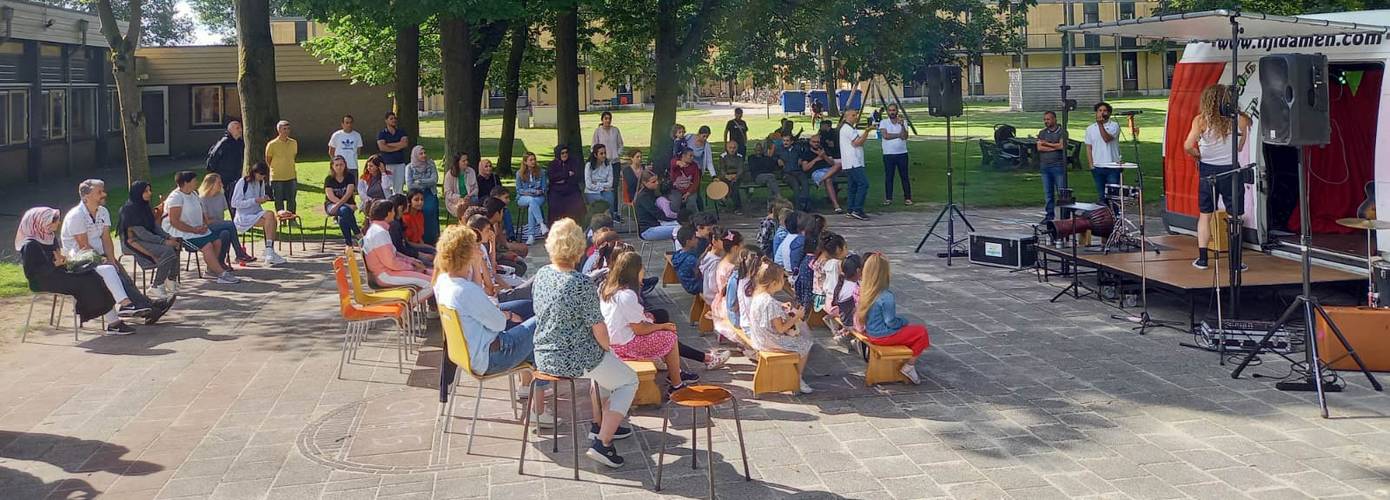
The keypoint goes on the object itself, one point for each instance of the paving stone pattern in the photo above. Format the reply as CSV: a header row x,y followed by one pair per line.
x,y
236,397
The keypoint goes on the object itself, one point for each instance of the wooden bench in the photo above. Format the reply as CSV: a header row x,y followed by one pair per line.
x,y
884,362
698,314
816,318
776,371
647,391
668,275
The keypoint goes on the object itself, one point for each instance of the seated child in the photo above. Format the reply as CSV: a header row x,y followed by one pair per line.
x,y
633,335
877,315
827,269
771,226
843,295
777,326
687,261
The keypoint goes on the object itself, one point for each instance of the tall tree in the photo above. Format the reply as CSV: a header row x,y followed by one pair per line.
x,y
406,83
517,40
219,16
466,50
566,37
260,102
132,117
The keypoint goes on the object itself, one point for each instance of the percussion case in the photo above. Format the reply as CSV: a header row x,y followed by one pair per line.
x,y
1003,250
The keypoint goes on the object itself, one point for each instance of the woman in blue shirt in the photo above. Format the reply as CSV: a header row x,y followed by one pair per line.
x,y
877,315
531,186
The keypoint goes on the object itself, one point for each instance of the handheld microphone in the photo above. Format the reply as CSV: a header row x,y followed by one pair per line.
x,y
1129,112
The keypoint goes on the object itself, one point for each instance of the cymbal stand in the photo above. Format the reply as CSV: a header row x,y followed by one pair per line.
x,y
1143,320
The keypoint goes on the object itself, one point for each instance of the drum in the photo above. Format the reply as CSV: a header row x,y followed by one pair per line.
x,y
717,190
1102,221
1121,191
1380,278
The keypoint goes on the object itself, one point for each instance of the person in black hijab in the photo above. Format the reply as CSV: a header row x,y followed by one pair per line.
x,y
566,176
141,235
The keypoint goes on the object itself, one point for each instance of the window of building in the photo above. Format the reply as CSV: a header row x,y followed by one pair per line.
x,y
209,108
977,76
301,31
16,117
1129,70
1093,59
1126,10
1091,14
56,127
84,112
1170,62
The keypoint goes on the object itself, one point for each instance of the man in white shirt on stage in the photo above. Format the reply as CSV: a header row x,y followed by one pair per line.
x,y
1103,147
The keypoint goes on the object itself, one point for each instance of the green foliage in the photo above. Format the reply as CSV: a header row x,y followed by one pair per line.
x,y
163,24
1280,7
537,64
364,48
218,17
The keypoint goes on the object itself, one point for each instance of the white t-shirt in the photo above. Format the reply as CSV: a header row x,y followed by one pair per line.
x,y
1101,151
851,156
190,212
80,221
893,146
619,314
346,144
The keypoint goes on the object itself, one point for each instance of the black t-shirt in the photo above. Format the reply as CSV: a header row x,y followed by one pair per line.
x,y
392,157
340,187
738,130
830,141
807,155
762,164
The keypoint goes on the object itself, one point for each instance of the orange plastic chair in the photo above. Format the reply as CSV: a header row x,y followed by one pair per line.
x,y
456,347
359,319
402,295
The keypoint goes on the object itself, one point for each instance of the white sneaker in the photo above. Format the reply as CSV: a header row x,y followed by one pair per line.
x,y
171,287
909,370
273,258
805,389
544,229
156,293
717,359
544,420
530,240
227,279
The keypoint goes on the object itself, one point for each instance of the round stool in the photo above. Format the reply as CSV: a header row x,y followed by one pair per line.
x,y
291,220
554,404
707,397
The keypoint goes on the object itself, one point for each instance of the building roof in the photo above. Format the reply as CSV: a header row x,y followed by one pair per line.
x,y
47,23
211,64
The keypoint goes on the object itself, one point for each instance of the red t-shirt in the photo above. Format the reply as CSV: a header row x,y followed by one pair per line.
x,y
414,224
685,178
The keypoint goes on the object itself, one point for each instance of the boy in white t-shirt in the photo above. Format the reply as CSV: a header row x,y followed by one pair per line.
x,y
346,142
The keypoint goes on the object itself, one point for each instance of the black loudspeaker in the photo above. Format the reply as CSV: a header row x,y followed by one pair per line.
x,y
1293,105
933,77
946,91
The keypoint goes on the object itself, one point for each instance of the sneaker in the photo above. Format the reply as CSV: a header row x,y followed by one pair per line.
x,y
1200,263
717,359
909,370
159,309
227,279
131,310
119,328
245,260
907,202
887,203
840,211
672,389
530,240
622,432
156,293
171,288
687,377
649,283
805,388
1243,267
543,420
273,258
860,215
544,229
606,455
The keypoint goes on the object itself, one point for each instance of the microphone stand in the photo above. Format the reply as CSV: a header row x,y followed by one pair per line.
x,y
1143,320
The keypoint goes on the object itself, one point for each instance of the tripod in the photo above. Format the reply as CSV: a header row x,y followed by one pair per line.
x,y
948,212
1309,304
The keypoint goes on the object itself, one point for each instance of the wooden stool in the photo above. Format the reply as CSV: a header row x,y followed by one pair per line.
x,y
696,397
668,275
555,436
776,371
816,318
885,362
292,220
647,391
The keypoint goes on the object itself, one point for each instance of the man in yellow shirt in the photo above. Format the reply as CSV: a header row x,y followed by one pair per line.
x,y
279,154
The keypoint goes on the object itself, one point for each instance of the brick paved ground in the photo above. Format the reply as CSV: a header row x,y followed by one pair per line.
x,y
236,398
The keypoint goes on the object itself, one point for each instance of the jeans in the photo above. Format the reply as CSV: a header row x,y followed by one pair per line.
x,y
800,183
1104,176
858,189
347,222
660,233
431,210
895,164
535,216
615,381
226,231
523,308
1053,178
609,197
283,193
517,346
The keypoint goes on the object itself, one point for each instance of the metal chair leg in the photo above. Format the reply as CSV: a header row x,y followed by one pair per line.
x,y
694,439
453,401
738,424
574,426
473,427
525,435
555,429
661,456
709,448
347,334
23,334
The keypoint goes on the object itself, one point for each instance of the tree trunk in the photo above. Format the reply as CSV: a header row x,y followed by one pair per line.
x,y
407,83
666,86
260,104
131,115
466,51
567,78
832,102
511,92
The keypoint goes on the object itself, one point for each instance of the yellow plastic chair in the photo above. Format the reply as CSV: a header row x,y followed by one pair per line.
x,y
456,347
402,295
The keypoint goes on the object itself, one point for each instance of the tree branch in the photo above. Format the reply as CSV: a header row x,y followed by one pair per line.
x,y
108,19
135,24
694,37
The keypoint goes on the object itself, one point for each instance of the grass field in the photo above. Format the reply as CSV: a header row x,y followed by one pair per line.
x,y
974,185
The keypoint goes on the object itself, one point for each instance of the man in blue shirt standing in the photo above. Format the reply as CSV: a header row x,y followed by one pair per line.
x,y
393,142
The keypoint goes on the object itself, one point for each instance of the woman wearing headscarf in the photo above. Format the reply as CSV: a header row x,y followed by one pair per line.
x,y
144,238
98,291
421,174
565,197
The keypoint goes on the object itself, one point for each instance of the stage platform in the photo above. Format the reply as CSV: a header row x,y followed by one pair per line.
x,y
1170,269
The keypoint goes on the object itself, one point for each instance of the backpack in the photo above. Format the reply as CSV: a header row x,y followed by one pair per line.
x,y
214,155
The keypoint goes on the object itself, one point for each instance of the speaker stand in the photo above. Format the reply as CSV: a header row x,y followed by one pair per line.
x,y
948,212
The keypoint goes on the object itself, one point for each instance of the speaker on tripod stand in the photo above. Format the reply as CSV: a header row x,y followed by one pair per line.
x,y
1295,112
944,100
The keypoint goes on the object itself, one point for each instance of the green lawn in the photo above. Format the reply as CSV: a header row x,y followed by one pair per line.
x,y
975,186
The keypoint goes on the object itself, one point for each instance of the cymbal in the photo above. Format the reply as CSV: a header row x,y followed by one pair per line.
x,y
1357,223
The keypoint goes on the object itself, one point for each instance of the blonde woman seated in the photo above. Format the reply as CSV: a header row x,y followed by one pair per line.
x,y
493,347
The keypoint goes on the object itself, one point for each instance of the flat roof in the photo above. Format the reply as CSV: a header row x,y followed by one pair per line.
x,y
1214,25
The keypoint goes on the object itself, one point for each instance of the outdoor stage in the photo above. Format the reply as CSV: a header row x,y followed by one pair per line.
x,y
1170,269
